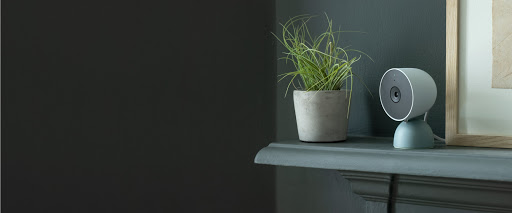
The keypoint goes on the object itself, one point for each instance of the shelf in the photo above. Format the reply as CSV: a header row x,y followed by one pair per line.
x,y
377,155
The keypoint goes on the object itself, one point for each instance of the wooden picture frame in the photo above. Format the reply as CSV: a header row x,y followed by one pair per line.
x,y
452,89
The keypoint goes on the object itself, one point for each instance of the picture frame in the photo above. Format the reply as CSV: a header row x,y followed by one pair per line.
x,y
453,137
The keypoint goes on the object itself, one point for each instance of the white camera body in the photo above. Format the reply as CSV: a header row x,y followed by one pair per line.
x,y
406,93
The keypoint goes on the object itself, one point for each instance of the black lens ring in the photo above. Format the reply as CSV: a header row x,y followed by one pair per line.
x,y
395,94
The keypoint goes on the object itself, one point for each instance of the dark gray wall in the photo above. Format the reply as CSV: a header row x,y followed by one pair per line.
x,y
399,33
137,106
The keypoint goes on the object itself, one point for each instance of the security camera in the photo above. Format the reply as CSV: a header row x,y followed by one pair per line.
x,y
405,95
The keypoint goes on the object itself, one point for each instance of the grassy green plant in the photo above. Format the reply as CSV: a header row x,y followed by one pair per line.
x,y
319,61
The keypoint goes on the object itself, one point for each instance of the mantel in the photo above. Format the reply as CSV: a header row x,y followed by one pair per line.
x,y
445,176
370,154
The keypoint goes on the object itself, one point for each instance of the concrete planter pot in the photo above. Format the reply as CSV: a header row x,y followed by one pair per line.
x,y
321,115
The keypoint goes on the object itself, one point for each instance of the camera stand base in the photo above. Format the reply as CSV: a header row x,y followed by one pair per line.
x,y
413,134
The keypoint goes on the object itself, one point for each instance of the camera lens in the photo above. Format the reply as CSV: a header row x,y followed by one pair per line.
x,y
395,94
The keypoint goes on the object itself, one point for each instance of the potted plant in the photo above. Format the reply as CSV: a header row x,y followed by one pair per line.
x,y
324,91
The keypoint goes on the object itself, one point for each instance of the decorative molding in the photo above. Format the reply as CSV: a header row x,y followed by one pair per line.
x,y
488,196
370,186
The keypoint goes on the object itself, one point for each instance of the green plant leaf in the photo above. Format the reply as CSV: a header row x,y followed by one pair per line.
x,y
319,61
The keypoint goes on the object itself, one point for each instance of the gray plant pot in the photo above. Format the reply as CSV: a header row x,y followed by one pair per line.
x,y
321,115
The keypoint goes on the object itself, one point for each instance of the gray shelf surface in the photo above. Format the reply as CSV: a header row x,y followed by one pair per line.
x,y
371,154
